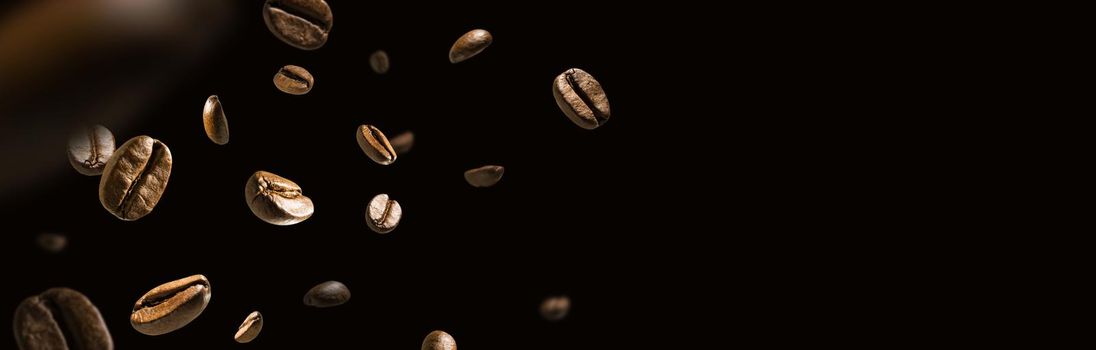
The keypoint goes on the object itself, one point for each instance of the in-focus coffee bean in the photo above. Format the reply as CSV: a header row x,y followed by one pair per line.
x,y
327,294
402,143
439,340
581,98
555,308
60,318
469,44
293,80
52,242
379,61
171,305
303,24
214,121
383,214
375,145
276,200
250,329
135,177
484,176
90,149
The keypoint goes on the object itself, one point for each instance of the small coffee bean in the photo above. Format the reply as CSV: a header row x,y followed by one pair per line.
x,y
383,214
375,145
485,176
469,44
52,242
439,340
555,308
303,24
214,121
276,200
581,98
135,177
60,318
293,80
379,61
90,149
250,329
171,305
327,294
402,143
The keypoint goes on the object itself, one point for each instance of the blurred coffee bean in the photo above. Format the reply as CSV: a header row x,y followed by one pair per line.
x,y
379,61
52,242
58,319
555,308
327,294
402,143
90,148
485,176
303,24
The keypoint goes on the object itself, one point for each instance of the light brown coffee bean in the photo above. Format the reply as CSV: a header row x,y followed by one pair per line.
x,y
484,176
327,294
59,319
135,177
90,149
52,242
555,308
250,329
383,214
379,61
303,24
214,121
581,98
293,80
375,145
171,305
277,200
439,340
469,44
402,143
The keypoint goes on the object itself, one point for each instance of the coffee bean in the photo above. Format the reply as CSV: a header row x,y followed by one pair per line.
x,y
293,80
485,176
60,318
52,242
581,98
469,44
171,305
214,121
135,177
402,143
303,24
555,308
439,340
250,329
383,214
375,145
379,61
276,200
327,294
89,150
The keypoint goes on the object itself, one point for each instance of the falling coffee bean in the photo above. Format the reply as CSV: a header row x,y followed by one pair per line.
x,y
327,294
60,318
581,98
293,80
52,242
90,149
402,143
276,200
303,24
383,214
469,44
171,305
555,308
439,340
135,177
214,121
250,329
379,61
485,176
375,145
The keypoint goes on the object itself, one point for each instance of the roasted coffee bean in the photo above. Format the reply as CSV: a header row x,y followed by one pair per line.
x,y
135,177
439,340
171,305
214,121
402,143
303,24
375,145
60,319
581,98
293,80
484,176
469,44
250,329
379,61
327,294
383,214
52,242
276,200
555,308
90,149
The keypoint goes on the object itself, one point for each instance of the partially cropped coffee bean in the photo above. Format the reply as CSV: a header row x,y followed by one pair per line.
x,y
439,340
90,149
383,214
52,242
375,145
469,44
379,62
250,329
402,143
327,294
303,24
276,200
60,318
581,98
484,176
214,121
135,177
293,80
171,305
555,308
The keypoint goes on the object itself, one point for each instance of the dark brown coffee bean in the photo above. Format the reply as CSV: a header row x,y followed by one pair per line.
x,y
402,143
555,308
383,214
303,24
277,200
469,44
327,294
60,319
171,305
484,176
90,149
293,80
581,98
439,340
135,177
52,242
379,61
250,329
375,145
214,121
